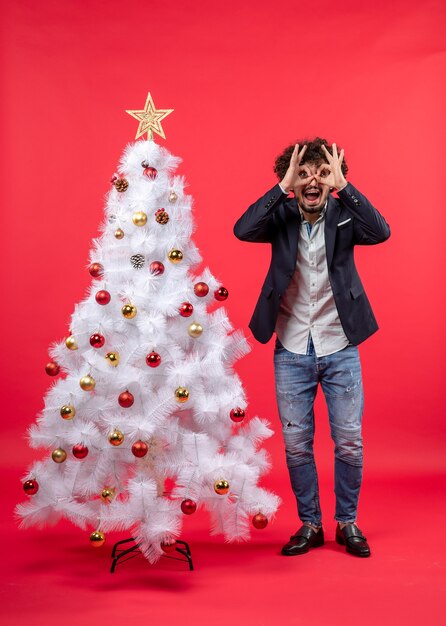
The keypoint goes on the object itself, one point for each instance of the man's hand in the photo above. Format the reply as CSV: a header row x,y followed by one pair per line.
x,y
331,174
291,177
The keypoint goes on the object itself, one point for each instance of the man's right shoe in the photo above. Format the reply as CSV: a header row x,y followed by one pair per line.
x,y
304,539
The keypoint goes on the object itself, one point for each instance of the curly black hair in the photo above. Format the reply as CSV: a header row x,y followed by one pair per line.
x,y
313,154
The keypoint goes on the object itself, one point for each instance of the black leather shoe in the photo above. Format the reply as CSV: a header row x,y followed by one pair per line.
x,y
352,538
303,540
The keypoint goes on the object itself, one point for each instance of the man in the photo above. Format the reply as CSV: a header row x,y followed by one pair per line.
x,y
314,301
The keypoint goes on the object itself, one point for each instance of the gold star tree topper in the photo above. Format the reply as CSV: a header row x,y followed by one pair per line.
x,y
150,119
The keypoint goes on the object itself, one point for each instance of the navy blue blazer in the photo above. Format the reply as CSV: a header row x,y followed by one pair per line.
x,y
350,220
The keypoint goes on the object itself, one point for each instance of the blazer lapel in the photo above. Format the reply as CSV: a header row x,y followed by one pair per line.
x,y
331,220
293,225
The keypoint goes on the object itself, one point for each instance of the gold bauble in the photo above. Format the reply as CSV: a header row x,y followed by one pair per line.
x,y
139,218
112,358
221,487
97,539
195,329
175,256
87,382
181,394
58,455
173,197
107,495
116,437
70,342
119,233
67,411
129,311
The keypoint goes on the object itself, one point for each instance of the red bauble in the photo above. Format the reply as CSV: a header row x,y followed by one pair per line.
x,y
103,297
126,399
169,547
153,359
97,340
139,449
221,294
31,486
237,415
201,290
52,368
188,506
79,451
186,309
96,270
156,268
260,521
150,172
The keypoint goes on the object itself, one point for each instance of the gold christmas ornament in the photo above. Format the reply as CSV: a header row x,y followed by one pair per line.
x,y
150,119
67,411
58,455
87,382
116,437
173,197
70,342
129,311
119,233
195,329
139,218
181,394
175,256
112,358
107,495
121,184
97,539
221,487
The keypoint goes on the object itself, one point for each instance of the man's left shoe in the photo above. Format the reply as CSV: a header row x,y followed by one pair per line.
x,y
352,538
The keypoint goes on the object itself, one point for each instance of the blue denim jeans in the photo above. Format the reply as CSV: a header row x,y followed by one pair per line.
x,y
297,379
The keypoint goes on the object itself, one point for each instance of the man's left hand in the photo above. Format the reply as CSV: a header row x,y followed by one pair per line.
x,y
331,174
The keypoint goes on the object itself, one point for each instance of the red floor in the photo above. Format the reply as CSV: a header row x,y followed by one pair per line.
x,y
54,576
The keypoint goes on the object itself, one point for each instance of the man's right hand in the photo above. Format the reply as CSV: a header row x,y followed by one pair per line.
x,y
291,177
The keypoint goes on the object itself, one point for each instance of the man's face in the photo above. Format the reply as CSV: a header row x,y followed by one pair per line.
x,y
310,191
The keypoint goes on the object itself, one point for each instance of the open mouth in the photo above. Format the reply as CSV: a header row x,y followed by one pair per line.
x,y
313,195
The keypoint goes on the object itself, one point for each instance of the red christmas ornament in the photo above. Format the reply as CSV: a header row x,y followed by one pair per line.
x,y
260,521
237,415
201,290
188,506
169,547
113,178
156,268
221,294
97,340
31,486
126,399
186,309
52,368
79,451
140,449
150,172
153,359
103,297
96,270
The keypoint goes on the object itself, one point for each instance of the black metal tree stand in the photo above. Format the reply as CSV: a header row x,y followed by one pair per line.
x,y
120,555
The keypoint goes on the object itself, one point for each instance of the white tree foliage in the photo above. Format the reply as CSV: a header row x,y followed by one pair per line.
x,y
193,444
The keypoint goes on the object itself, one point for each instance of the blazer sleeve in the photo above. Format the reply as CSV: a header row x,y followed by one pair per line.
x,y
369,225
257,222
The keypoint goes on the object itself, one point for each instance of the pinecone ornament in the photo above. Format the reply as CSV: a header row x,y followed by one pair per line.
x,y
161,216
137,260
121,184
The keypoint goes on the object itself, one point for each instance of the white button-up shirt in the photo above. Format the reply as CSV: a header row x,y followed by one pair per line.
x,y
308,305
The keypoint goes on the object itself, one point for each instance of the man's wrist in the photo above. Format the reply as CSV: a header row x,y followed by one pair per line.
x,y
284,187
343,186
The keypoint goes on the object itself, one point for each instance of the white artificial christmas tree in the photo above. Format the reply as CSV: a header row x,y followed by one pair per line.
x,y
147,422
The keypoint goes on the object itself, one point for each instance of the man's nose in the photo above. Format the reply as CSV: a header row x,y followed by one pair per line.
x,y
313,181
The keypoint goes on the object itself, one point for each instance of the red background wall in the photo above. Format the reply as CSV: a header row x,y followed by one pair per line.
x,y
245,79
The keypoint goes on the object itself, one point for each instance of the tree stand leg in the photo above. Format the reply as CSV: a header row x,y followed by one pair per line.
x,y
120,555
